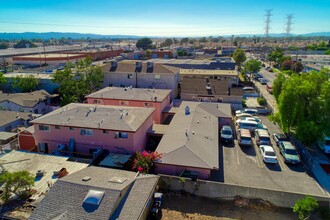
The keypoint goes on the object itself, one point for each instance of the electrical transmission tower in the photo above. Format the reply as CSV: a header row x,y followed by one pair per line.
x,y
267,21
288,26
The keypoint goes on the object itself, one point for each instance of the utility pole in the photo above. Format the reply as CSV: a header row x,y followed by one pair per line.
x,y
288,26
267,21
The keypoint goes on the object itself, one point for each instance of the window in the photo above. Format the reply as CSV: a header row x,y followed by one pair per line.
x,y
130,76
157,76
71,128
96,101
57,127
121,135
88,132
105,131
43,127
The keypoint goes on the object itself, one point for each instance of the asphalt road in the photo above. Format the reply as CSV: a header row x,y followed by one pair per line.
x,y
244,166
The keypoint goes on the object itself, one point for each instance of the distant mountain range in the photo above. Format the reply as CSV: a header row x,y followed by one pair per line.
x,y
58,35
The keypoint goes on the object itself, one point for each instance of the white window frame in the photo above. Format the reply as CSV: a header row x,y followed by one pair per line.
x,y
42,128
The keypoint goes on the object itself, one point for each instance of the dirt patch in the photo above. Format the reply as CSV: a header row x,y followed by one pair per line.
x,y
192,207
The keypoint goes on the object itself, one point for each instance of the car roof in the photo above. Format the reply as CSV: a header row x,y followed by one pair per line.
x,y
248,122
245,132
280,135
262,132
288,145
267,148
226,127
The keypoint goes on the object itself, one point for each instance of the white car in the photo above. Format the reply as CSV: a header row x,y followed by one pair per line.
x,y
243,115
268,154
247,119
253,112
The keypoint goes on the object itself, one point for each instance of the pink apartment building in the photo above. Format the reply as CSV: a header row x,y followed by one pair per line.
x,y
191,142
83,128
135,97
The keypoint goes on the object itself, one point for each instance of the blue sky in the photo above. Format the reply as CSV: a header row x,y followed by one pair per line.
x,y
163,17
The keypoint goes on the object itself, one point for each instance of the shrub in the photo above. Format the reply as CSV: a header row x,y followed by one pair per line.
x,y
144,161
305,206
261,101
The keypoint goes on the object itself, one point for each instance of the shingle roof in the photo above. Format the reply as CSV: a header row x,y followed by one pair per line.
x,y
66,197
25,99
120,118
192,140
154,95
7,117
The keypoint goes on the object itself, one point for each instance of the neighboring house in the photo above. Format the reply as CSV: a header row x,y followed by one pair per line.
x,y
26,139
155,98
10,120
84,128
138,55
211,86
191,141
45,168
45,81
99,193
37,102
141,75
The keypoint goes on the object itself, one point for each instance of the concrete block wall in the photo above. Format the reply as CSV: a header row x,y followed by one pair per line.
x,y
217,190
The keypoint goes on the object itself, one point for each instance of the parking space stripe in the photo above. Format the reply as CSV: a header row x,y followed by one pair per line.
x,y
237,154
259,159
278,155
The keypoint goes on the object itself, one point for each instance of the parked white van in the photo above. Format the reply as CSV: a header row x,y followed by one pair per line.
x,y
253,112
249,125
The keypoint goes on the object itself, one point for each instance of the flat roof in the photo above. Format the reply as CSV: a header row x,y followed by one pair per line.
x,y
138,94
24,75
122,118
33,162
192,139
208,72
158,129
21,51
115,160
49,55
6,135
129,66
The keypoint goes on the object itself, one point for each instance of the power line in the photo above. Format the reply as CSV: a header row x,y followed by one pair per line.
x,y
288,26
267,21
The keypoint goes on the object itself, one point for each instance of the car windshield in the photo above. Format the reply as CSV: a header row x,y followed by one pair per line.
x,y
270,153
227,132
291,151
246,138
264,138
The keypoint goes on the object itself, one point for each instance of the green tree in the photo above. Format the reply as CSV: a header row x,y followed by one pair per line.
x,y
203,40
239,57
297,67
303,104
276,55
4,45
184,40
24,44
304,207
17,183
148,54
25,83
144,43
168,42
3,79
327,52
252,66
75,86
277,85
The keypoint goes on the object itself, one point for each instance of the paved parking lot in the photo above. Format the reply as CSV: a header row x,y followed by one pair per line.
x,y
244,166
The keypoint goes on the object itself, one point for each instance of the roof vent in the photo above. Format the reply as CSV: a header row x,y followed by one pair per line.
x,y
94,197
187,110
119,180
86,178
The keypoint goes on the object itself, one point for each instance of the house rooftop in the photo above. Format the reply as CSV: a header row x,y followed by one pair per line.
x,y
121,118
29,99
24,75
192,138
208,72
134,94
34,162
7,117
129,66
123,195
